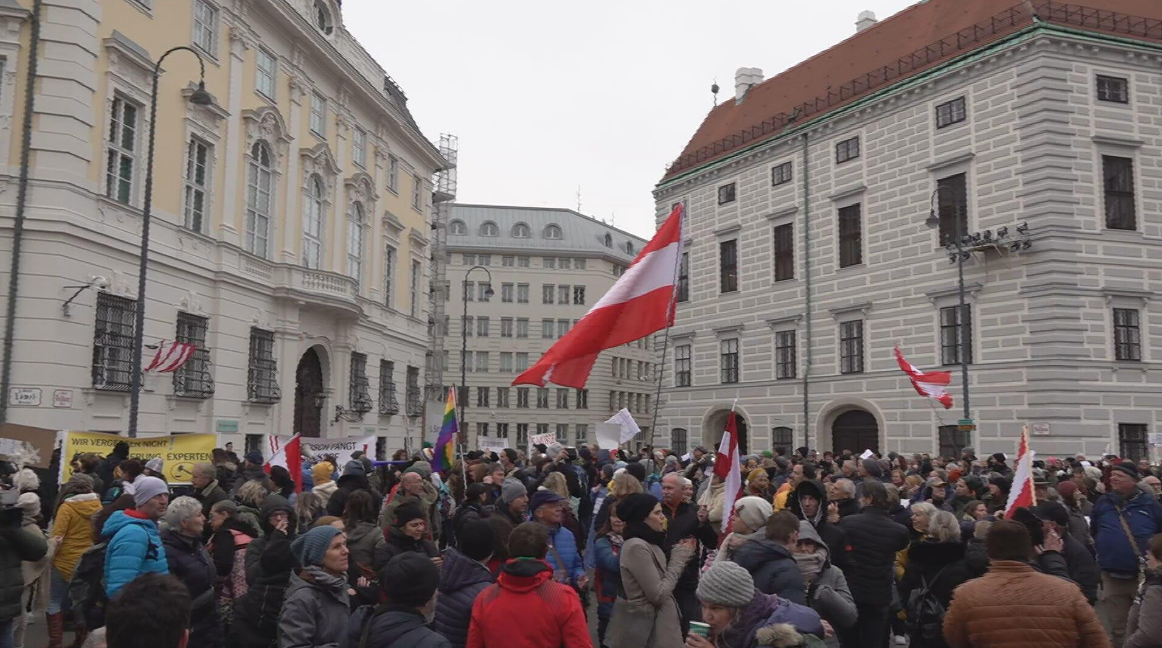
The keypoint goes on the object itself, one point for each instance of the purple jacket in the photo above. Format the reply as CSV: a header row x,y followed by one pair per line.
x,y
766,610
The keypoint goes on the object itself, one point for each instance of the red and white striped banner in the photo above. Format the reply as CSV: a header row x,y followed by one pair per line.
x,y
930,384
170,356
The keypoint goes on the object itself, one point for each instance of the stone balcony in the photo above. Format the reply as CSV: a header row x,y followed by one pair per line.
x,y
319,288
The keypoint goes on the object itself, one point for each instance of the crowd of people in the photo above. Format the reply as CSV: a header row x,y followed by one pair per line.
x,y
513,550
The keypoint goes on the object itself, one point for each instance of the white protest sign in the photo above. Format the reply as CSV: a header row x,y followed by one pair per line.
x,y
624,420
341,448
492,444
548,438
608,436
867,454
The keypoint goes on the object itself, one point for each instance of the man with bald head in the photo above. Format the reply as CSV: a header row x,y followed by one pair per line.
x,y
411,491
686,520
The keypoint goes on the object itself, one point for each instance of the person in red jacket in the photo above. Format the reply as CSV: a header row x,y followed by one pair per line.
x,y
525,608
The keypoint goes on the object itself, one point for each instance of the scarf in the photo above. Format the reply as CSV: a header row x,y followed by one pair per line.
x,y
810,564
615,539
324,580
643,531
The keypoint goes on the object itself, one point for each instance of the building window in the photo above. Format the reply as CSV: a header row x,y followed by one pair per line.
x,y
206,27
782,437
522,435
417,193
577,263
482,397
678,441
489,228
481,362
562,432
415,289
522,293
197,184
522,327
1118,182
482,428
522,361
502,397
482,326
508,261
566,263
553,232
953,441
522,397
951,343
682,365
121,161
359,400
1115,89
608,240
262,369
393,179
318,114
582,396
684,278
546,329
483,289
259,178
781,173
414,402
851,347
950,112
582,434
520,230
562,399
784,252
729,359
578,295
726,194
850,236
728,265
265,74
389,277
323,17
193,379
388,403
113,342
313,224
506,293
547,293
542,398
562,328
359,147
506,327
1132,441
505,362
457,228
563,295
784,355
462,393
549,263
1127,334
952,198
355,243
847,150
542,428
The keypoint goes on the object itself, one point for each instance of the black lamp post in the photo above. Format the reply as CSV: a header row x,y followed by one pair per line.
x,y
959,236
488,292
198,97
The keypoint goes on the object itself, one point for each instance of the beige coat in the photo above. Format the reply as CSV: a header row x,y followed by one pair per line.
x,y
648,616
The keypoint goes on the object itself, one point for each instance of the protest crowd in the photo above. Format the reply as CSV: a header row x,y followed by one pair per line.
x,y
504,550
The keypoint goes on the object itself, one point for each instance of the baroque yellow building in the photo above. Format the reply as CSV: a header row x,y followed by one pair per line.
x,y
291,220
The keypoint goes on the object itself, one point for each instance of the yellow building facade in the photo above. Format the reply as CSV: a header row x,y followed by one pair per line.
x,y
291,220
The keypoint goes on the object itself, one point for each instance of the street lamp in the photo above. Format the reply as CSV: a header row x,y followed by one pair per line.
x,y
959,236
198,97
488,293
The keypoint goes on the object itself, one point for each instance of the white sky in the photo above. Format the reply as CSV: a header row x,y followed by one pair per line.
x,y
546,96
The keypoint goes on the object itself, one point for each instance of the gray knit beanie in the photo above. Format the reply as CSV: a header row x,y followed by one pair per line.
x,y
726,584
512,489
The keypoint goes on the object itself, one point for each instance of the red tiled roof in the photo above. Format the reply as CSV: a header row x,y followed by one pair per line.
x,y
915,39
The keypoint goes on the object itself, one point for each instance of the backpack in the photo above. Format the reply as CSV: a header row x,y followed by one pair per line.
x,y
87,588
925,618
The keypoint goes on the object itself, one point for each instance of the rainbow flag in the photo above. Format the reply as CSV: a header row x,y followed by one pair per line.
x,y
445,451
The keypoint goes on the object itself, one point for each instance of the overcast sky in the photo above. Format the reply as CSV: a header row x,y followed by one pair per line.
x,y
549,96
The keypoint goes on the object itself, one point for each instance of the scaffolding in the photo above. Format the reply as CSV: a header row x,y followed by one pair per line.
x,y
442,198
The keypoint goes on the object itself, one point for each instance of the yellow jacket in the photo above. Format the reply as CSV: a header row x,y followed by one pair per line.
x,y
73,526
781,497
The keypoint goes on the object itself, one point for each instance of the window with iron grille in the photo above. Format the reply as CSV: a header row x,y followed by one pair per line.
x,y
951,343
121,154
582,434
782,437
1118,183
950,112
360,397
1132,439
578,295
582,399
726,194
847,150
684,278
1127,334
388,403
194,378
781,174
784,252
729,358
522,435
542,398
682,365
113,342
850,236
562,399
953,441
502,397
262,369
522,397
952,198
482,397
785,355
728,265
851,347
678,440
1115,89
415,403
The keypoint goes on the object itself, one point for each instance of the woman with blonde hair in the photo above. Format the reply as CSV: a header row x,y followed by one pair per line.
x,y
555,483
250,497
622,486
936,564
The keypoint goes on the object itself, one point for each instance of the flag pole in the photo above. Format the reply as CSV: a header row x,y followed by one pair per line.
x,y
660,370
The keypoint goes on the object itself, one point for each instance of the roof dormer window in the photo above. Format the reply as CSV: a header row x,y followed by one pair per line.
x,y
323,20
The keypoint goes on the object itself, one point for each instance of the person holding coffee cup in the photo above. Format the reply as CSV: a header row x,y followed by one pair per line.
x,y
739,616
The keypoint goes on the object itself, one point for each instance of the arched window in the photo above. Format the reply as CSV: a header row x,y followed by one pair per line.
x,y
521,230
553,232
323,17
259,177
629,247
313,224
489,228
355,242
608,240
458,228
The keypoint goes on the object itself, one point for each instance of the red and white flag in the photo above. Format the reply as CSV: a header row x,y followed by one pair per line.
x,y
1022,494
170,356
930,384
289,456
727,466
640,303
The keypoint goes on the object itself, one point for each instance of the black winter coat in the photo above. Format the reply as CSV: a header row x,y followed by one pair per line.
x,y
834,537
683,523
224,545
16,544
348,484
848,508
461,579
874,540
774,569
271,505
1083,568
190,562
392,626
398,543
941,565
255,622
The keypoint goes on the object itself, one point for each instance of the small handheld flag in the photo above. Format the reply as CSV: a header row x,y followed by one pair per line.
x,y
444,452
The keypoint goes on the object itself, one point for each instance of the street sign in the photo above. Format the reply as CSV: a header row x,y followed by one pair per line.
x,y
24,397
1041,429
965,425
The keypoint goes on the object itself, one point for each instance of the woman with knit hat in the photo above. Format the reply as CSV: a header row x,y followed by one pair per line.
x,y
323,473
739,616
648,614
758,484
406,534
750,522
315,611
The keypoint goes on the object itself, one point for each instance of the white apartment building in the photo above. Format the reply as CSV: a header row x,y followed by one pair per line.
x,y
548,267
809,257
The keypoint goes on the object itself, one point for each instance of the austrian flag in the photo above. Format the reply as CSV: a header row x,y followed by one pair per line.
x,y
170,356
930,384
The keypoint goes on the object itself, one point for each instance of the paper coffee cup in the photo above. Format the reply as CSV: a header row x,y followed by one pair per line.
x,y
700,629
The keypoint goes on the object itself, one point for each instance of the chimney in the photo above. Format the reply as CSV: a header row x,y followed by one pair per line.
x,y
866,19
744,78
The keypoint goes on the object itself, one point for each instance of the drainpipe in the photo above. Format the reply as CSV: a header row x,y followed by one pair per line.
x,y
807,285
21,203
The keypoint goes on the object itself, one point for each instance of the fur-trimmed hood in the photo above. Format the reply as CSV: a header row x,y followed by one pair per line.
x,y
780,635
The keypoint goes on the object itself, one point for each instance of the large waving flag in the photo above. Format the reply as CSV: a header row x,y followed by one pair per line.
x,y
930,384
1023,493
170,356
444,453
289,456
727,466
640,303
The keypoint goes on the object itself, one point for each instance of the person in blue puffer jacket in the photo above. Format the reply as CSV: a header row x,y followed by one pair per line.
x,y
463,575
563,557
134,543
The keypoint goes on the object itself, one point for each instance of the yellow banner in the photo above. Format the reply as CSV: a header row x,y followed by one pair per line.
x,y
180,451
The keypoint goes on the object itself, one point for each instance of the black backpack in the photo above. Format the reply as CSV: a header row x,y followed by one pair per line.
x,y
925,618
87,588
